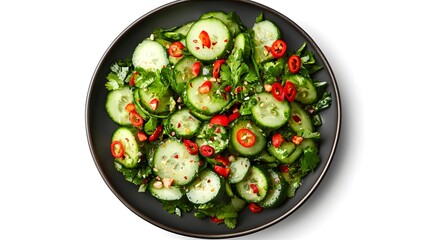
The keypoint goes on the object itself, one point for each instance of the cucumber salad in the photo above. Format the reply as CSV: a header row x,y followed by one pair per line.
x,y
214,118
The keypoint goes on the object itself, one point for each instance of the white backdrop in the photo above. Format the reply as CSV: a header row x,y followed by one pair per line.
x,y
376,187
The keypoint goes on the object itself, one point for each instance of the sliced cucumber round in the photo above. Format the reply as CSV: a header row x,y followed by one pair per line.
x,y
208,39
306,92
215,136
265,33
183,73
184,124
259,144
115,105
131,149
172,160
270,112
277,192
208,103
254,187
160,192
282,152
148,96
150,55
242,41
300,120
205,188
238,169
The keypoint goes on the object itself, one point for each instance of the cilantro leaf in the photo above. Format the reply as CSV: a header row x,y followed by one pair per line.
x,y
118,74
310,160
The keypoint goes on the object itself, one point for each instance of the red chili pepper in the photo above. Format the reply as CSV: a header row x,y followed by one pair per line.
x,y
277,140
284,168
294,63
155,135
205,39
117,149
191,147
297,139
220,119
246,137
141,136
254,208
278,48
223,171
289,91
175,49
207,151
133,79
254,188
216,67
277,91
222,159
135,119
205,87
296,118
196,68
216,220
228,88
233,116
130,107
154,104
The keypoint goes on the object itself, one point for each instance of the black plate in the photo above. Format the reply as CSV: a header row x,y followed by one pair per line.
x,y
100,128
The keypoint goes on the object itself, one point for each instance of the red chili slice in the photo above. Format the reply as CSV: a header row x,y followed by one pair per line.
x,y
222,159
216,220
154,104
196,68
191,147
277,140
254,188
175,49
205,39
297,139
205,87
284,168
254,208
133,79
289,91
233,116
277,91
220,119
278,48
216,67
246,137
155,135
130,107
294,63
223,171
207,151
141,136
117,149
135,119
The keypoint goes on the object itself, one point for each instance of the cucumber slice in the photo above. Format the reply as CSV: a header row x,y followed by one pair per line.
x,y
259,134
172,193
277,192
184,124
183,73
238,169
150,55
172,160
265,33
147,95
242,41
306,92
115,105
127,138
219,39
269,112
179,33
300,120
257,176
282,152
207,187
209,103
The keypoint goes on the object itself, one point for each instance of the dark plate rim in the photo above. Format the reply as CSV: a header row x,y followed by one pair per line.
x,y
261,227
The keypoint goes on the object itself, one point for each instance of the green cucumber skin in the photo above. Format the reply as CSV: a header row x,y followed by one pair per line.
x,y
277,192
115,105
219,35
260,138
184,124
306,92
127,137
197,196
259,176
269,112
305,123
